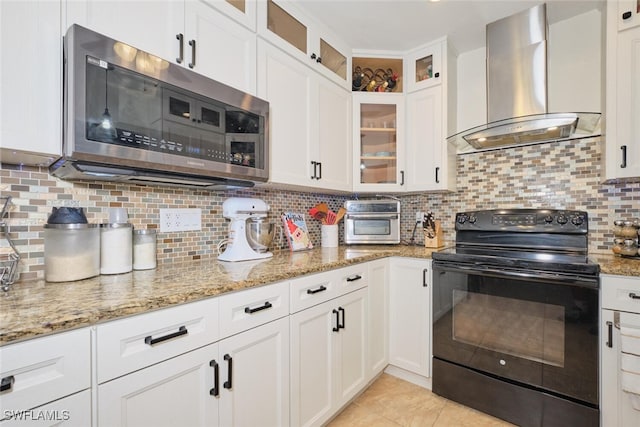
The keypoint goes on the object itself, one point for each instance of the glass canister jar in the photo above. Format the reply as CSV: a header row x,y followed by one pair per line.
x,y
629,248
71,252
618,225
144,249
629,230
116,253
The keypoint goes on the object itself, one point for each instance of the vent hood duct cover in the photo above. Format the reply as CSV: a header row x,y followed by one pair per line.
x,y
517,90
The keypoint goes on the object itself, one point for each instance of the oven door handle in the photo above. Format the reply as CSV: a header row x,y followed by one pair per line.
x,y
372,216
538,276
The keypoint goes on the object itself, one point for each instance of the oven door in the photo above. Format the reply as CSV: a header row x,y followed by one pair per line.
x,y
533,329
372,228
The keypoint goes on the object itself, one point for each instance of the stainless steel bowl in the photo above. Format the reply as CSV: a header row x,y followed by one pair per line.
x,y
260,234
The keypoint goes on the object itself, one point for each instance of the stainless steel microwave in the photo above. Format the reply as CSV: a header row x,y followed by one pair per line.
x,y
131,116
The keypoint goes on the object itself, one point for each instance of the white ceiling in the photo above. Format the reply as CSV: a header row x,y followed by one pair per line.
x,y
400,25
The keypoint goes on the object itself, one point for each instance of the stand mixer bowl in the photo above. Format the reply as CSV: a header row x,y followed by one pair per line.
x,y
260,234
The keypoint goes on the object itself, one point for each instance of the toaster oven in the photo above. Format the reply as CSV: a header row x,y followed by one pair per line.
x,y
372,222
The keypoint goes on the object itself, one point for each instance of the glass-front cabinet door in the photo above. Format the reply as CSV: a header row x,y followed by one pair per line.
x,y
424,67
378,142
287,27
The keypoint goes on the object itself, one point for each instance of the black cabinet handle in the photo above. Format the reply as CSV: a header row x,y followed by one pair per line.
x,y
262,307
152,341
319,60
319,170
227,383
192,43
315,291
354,278
424,277
341,325
634,296
180,38
313,56
7,383
626,15
437,174
314,169
624,156
610,334
401,177
215,391
337,327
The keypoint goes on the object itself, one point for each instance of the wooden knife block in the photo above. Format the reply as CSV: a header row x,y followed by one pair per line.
x,y
438,240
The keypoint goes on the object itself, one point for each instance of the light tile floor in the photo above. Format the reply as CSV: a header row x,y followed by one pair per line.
x,y
392,402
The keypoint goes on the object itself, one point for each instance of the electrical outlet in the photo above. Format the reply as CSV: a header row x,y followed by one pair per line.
x,y
419,217
180,220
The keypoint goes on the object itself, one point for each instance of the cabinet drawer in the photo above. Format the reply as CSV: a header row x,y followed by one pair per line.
x,y
129,344
72,411
311,290
352,278
618,293
247,309
44,369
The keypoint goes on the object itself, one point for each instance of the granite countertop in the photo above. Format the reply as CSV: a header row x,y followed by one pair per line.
x,y
36,308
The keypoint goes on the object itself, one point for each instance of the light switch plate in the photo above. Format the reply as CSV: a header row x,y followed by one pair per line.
x,y
172,220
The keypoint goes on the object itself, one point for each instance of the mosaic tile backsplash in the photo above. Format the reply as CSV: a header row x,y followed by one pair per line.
x,y
563,175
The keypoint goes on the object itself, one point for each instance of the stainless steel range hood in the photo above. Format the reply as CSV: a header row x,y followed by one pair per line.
x,y
517,90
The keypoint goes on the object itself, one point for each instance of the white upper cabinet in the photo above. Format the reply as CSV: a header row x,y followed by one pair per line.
x,y
306,40
622,157
193,33
242,11
30,80
424,67
309,122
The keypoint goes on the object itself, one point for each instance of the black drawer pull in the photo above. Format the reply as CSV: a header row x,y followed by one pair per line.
x,y
610,334
337,327
425,283
180,38
634,296
227,383
181,331
262,307
215,391
315,291
354,278
626,15
624,156
7,383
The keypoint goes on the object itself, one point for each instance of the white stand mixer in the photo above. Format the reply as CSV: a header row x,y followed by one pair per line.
x,y
239,210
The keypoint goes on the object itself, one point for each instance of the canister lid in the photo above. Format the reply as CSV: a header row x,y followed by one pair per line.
x,y
116,225
145,231
70,226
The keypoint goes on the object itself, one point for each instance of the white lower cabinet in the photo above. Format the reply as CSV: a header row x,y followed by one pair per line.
x,y
42,372
410,315
70,411
378,327
621,308
241,381
328,357
174,392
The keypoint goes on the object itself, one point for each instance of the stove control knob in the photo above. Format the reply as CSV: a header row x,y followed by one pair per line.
x,y
462,218
577,220
473,219
548,219
562,219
